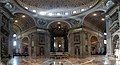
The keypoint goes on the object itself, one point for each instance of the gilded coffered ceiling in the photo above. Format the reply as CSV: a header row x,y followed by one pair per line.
x,y
51,4
56,8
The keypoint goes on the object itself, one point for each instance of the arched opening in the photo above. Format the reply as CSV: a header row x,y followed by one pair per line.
x,y
25,44
94,45
41,53
23,21
58,32
95,21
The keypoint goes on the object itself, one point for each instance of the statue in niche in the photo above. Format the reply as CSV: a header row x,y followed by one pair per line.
x,y
77,50
25,49
86,48
41,38
41,50
86,36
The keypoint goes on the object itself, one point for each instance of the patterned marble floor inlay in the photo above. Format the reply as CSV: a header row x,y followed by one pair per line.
x,y
94,60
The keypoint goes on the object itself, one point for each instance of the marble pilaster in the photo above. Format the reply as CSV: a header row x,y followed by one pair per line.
x,y
108,37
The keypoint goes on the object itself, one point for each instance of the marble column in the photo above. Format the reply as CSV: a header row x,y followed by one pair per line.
x,y
52,43
82,54
0,32
47,44
117,53
108,37
119,21
65,43
118,41
10,50
70,42
1,20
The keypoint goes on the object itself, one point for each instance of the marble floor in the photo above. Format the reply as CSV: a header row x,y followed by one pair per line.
x,y
94,60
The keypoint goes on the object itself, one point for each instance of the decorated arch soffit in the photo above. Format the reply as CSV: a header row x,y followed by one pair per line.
x,y
44,23
98,20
